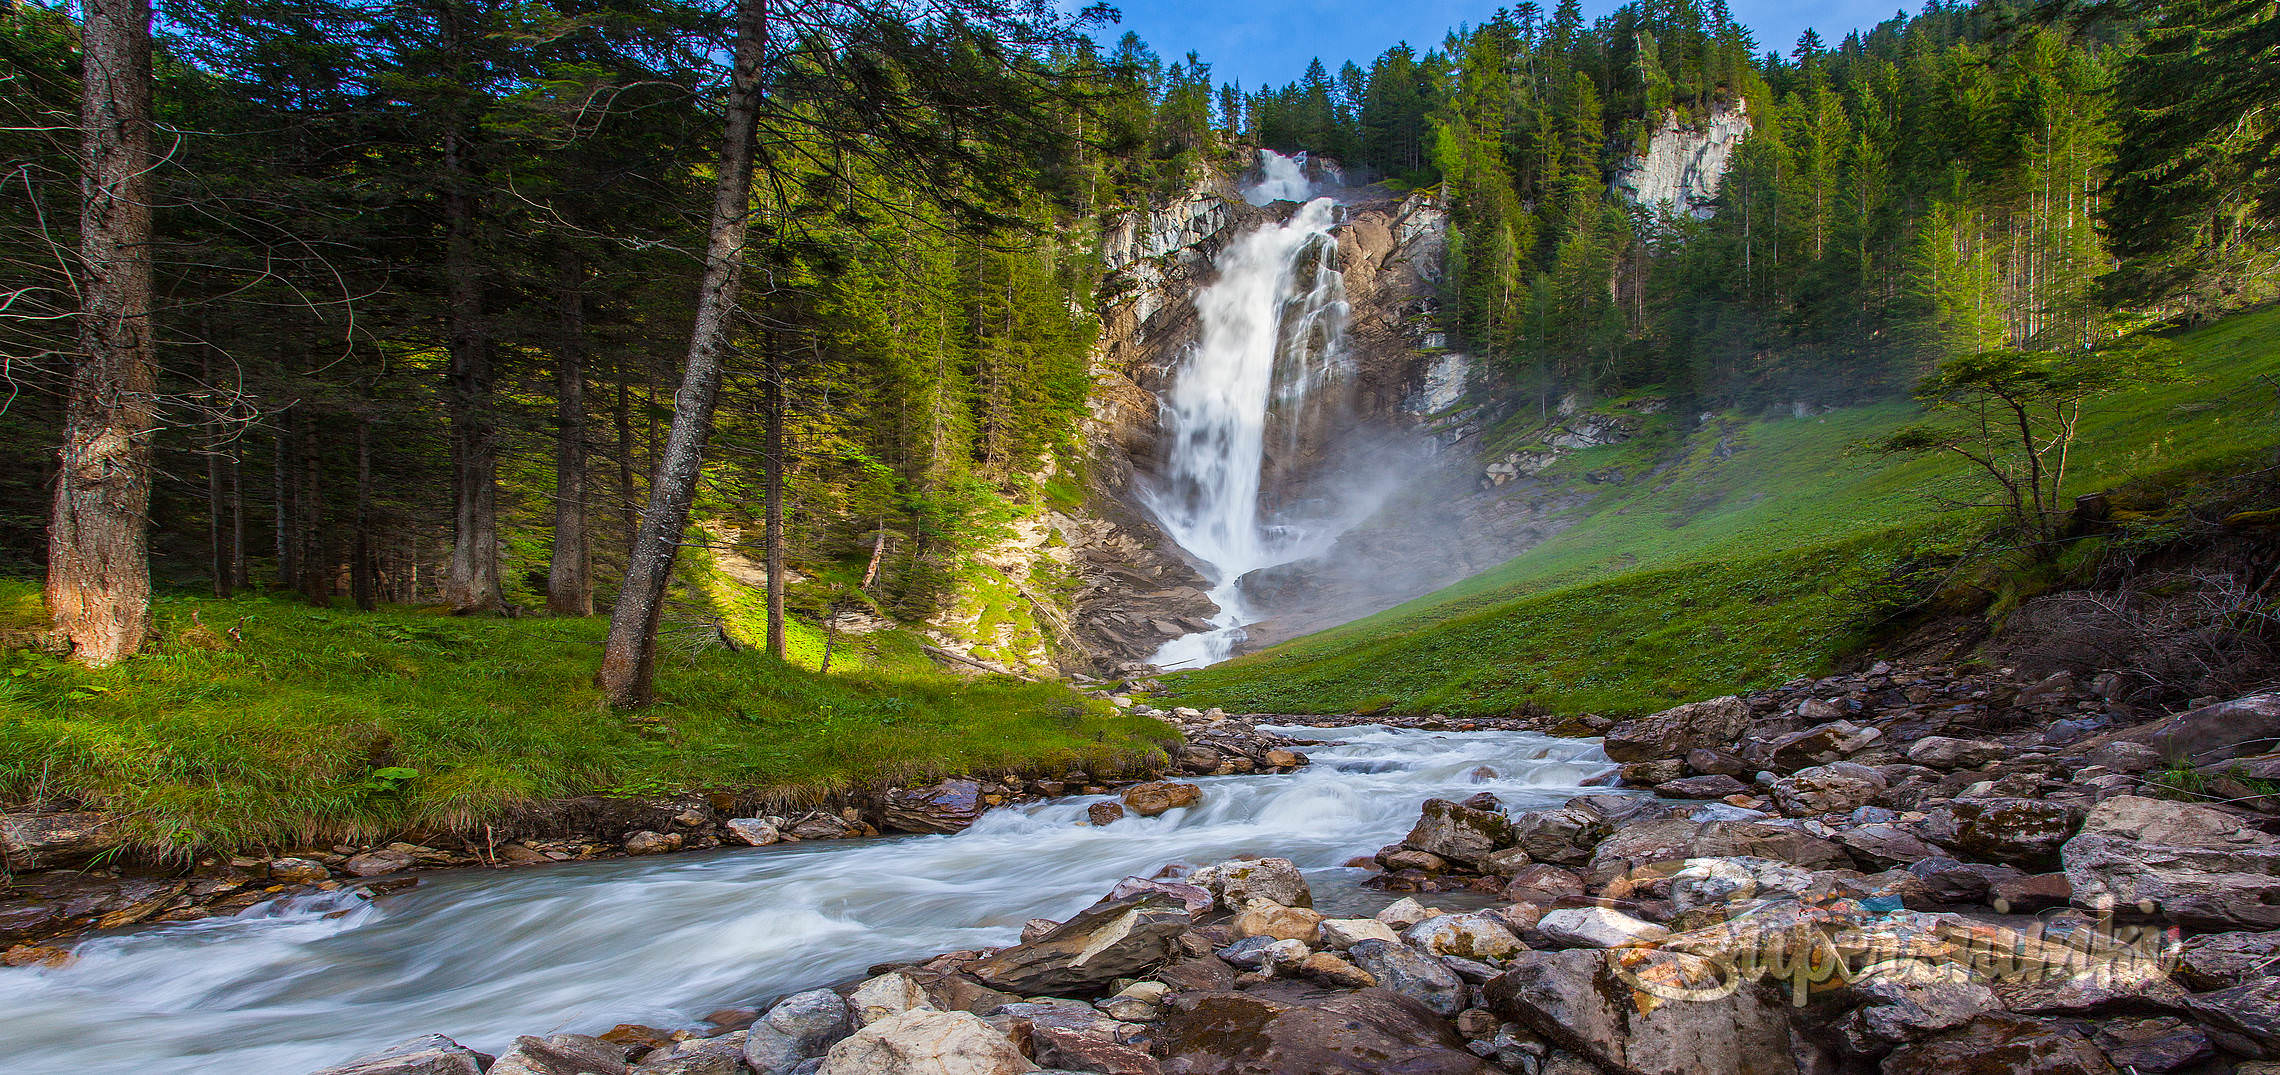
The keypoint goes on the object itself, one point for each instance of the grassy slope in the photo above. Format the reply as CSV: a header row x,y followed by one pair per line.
x,y
1734,568
279,737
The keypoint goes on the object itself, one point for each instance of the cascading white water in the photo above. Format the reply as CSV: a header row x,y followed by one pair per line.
x,y
1273,329
292,986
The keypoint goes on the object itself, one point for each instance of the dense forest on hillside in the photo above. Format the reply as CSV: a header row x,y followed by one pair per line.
x,y
422,275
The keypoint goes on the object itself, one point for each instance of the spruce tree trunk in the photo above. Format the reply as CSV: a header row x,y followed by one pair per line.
x,y
315,577
773,464
472,581
281,485
629,654
363,586
570,574
98,581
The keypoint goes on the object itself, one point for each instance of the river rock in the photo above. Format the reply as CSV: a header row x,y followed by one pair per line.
x,y
1264,918
823,825
1708,786
1159,796
1563,835
723,1055
31,841
1466,936
1714,882
1412,974
561,1054
1813,746
2026,833
2216,733
2224,960
1666,845
1881,845
949,806
1836,788
1237,882
926,1042
1104,813
886,996
376,863
1194,898
1998,1043
1365,1032
1404,913
1109,940
431,1055
1459,833
1673,732
1597,927
752,831
1593,1003
795,1028
653,843
1333,970
297,871
2157,1044
1339,934
1904,1005
2244,1019
1946,752
2197,864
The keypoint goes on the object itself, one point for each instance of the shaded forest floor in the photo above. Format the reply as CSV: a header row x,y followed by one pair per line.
x,y
319,725
1752,551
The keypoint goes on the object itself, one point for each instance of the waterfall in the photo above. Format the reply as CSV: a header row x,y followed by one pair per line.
x,y
1273,331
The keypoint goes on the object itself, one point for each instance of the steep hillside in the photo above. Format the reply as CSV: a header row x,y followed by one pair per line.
x,y
1739,554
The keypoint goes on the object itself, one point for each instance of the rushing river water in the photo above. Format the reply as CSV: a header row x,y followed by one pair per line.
x,y
291,986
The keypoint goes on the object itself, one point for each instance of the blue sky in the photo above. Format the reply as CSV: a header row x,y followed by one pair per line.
x,y
1269,41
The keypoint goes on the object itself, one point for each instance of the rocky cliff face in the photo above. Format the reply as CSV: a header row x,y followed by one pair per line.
x,y
1684,163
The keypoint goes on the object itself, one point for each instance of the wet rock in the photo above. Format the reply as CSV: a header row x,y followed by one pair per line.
x,y
1104,813
795,1028
2001,1044
1650,773
723,1055
1366,1032
2195,864
653,843
949,806
1237,882
32,841
1263,918
1412,974
926,1042
377,863
1828,789
1597,927
1195,899
2158,1044
1459,833
2221,960
1110,940
297,871
1156,797
2026,833
1710,786
1467,936
561,1054
431,1055
1409,859
1562,835
1673,732
2244,1019
1590,1002
752,831
823,826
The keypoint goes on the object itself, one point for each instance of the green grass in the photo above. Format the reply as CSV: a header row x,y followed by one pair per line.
x,y
1749,553
283,737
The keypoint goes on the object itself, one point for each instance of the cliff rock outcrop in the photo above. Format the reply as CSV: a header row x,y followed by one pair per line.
x,y
1683,163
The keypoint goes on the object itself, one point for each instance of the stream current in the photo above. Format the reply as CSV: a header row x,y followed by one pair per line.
x,y
483,956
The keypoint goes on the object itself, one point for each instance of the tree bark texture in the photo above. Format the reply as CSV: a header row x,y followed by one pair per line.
x,y
570,574
471,583
629,654
98,581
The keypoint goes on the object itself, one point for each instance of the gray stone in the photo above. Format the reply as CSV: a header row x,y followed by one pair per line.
x,y
1468,936
1901,1007
2223,960
1110,940
376,863
1943,752
1412,974
926,1042
2215,733
2157,1044
1563,834
30,841
1459,833
752,831
1597,927
1828,789
1364,1032
1998,1043
1590,1002
1673,732
795,1028
1711,786
723,1055
1885,846
561,1054
2195,864
2244,1019
949,806
884,997
2026,833
431,1055
1237,882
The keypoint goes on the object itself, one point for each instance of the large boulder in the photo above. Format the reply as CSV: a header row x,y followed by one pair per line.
x,y
926,1042
1237,882
1668,844
39,841
1999,1043
1898,1007
2216,733
1673,732
1644,1012
949,806
2222,960
1597,927
1366,1032
2244,1019
795,1028
1836,788
1413,974
431,1055
2195,864
2026,833
1564,834
1466,936
1109,940
1159,796
1459,833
